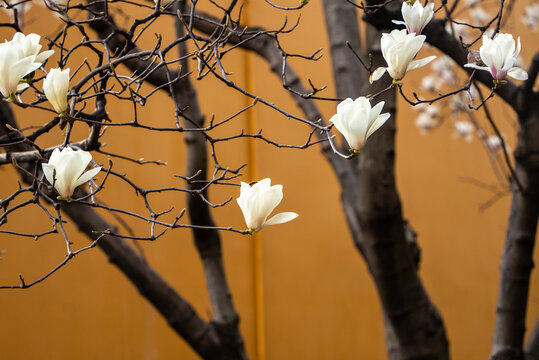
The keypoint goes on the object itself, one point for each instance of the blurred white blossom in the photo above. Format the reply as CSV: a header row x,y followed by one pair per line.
x,y
425,123
444,69
459,30
494,142
22,8
479,17
463,129
531,17
431,83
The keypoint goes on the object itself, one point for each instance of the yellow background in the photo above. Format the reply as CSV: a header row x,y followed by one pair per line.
x,y
319,300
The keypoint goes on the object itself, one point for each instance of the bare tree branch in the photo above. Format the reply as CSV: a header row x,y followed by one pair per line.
x,y
180,315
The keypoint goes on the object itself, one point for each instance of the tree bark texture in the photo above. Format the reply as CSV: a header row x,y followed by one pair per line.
x,y
532,346
413,326
517,258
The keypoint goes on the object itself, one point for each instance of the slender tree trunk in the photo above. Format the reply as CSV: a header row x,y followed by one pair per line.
x,y
208,242
413,326
517,258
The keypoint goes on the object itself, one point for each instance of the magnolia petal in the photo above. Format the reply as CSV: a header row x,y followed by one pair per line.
x,y
44,55
262,184
398,22
22,86
18,70
54,156
267,201
518,73
69,169
244,204
473,66
87,176
281,218
377,74
376,110
381,120
344,104
48,171
416,64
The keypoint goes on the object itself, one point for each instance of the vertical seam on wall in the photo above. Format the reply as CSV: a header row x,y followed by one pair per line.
x,y
260,345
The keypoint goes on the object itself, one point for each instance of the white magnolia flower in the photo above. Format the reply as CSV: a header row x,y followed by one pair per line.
x,y
28,45
356,121
415,16
463,129
399,49
65,170
13,68
531,17
499,56
258,201
55,87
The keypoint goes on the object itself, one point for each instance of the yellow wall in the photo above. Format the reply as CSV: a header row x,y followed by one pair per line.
x,y
319,301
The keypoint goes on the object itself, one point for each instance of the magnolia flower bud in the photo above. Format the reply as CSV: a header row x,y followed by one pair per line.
x,y
399,50
356,120
258,201
65,170
55,87
531,17
499,56
415,16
